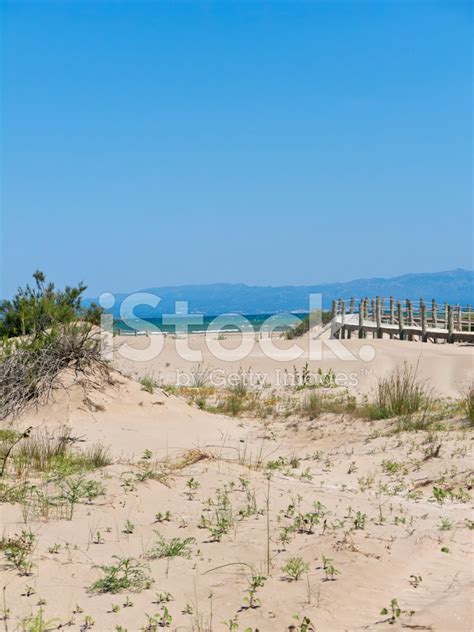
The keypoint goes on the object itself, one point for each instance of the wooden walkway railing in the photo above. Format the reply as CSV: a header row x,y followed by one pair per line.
x,y
405,320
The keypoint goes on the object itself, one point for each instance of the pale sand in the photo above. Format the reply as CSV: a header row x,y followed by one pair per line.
x,y
401,537
447,368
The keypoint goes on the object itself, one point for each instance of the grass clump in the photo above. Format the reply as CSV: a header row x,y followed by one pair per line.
x,y
37,623
469,404
148,384
127,574
44,451
399,394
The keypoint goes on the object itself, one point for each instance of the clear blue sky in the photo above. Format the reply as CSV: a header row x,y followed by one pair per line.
x,y
157,143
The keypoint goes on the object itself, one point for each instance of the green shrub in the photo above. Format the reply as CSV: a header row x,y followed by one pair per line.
x,y
34,310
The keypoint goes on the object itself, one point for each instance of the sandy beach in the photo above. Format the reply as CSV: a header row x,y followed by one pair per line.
x,y
353,501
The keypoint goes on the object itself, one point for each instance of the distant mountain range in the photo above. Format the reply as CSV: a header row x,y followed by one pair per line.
x,y
454,286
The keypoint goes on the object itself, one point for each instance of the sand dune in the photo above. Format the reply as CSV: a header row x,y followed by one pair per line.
x,y
378,520
448,368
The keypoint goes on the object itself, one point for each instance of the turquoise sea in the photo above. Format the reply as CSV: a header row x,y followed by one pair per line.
x,y
255,322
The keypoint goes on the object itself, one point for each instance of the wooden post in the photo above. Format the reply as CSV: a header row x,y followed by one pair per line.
x,y
450,324
351,311
367,316
343,319
378,316
401,333
446,324
392,313
469,318
434,314
361,318
459,317
424,325
409,316
339,311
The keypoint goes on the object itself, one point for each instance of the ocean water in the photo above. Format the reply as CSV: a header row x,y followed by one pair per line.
x,y
233,322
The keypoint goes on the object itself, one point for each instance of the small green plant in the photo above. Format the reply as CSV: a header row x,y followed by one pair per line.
x,y
391,467
359,520
164,597
29,590
394,610
294,568
163,517
254,583
129,527
157,621
176,547
89,622
446,524
415,580
76,489
440,494
192,484
329,569
18,550
127,574
165,618
307,474
220,528
304,625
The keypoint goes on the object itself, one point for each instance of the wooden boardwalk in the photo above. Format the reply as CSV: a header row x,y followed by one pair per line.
x,y
404,320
